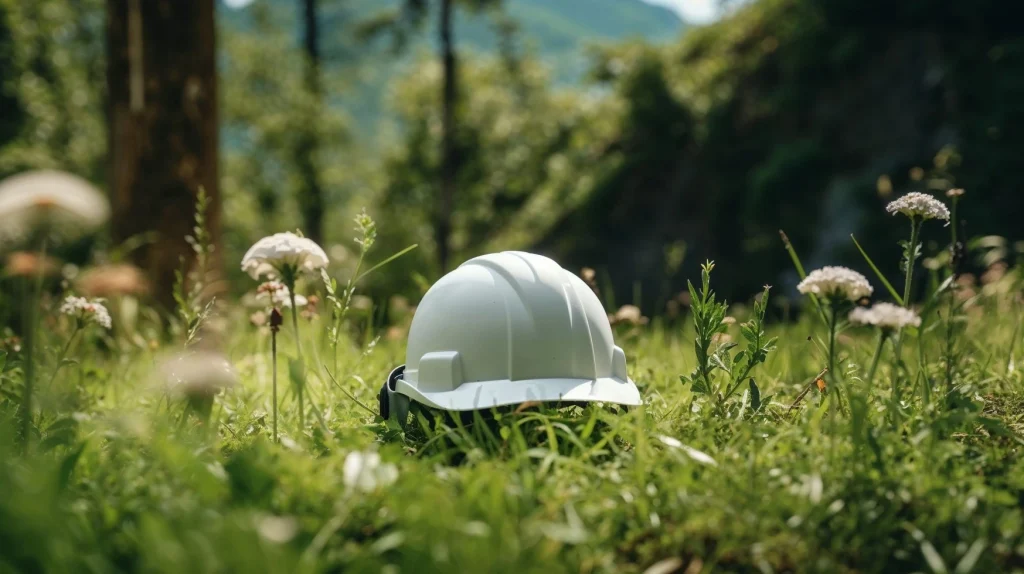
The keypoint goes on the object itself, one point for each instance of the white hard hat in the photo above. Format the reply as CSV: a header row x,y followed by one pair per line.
x,y
508,328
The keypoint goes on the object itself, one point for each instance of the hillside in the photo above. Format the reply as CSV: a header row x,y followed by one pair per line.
x,y
557,32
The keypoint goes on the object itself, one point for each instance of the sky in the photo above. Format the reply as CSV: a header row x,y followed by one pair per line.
x,y
693,11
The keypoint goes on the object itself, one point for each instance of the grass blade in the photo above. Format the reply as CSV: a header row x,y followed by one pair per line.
x,y
878,273
385,262
803,274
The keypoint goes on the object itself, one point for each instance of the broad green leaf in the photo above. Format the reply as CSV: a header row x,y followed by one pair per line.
x,y
68,464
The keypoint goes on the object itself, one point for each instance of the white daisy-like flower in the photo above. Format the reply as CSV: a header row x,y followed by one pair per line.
x,y
86,311
282,253
66,204
836,282
916,204
363,471
277,294
885,315
198,374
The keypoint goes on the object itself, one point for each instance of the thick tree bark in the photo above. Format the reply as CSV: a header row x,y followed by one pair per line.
x,y
311,200
449,158
162,90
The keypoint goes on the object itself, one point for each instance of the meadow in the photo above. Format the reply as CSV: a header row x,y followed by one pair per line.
x,y
774,437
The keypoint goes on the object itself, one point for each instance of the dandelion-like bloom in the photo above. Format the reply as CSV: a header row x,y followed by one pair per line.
x,y
365,472
112,281
885,316
836,282
199,374
65,203
277,294
86,311
628,314
921,205
281,254
28,264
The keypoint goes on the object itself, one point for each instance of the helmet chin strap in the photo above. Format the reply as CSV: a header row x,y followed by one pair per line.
x,y
393,403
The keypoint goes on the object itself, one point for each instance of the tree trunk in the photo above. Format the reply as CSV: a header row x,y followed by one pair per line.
x,y
162,90
311,200
449,158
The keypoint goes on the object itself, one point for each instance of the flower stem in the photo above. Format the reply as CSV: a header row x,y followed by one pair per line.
x,y
273,370
298,350
32,317
833,320
915,230
874,360
832,340
64,353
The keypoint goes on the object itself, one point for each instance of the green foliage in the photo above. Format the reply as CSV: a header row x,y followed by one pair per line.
x,y
709,323
269,116
190,285
52,74
125,482
518,144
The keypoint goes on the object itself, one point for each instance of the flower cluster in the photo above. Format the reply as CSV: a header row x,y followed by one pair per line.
x,y
198,374
885,316
836,282
281,254
86,311
916,204
63,203
112,280
277,294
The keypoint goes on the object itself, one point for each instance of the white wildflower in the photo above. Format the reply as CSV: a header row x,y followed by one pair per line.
x,y
885,315
836,282
281,255
64,203
198,374
86,311
365,472
277,294
916,204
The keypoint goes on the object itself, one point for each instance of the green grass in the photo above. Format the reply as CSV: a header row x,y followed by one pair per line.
x,y
121,479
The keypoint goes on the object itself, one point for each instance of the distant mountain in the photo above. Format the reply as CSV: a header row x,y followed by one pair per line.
x,y
556,31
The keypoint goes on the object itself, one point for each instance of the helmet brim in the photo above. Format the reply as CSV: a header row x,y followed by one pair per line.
x,y
487,394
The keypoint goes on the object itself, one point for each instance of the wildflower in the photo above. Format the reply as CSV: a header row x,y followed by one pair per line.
x,y
86,311
200,374
628,314
721,338
921,205
277,529
112,281
955,192
28,264
283,255
367,230
885,316
258,319
364,471
278,295
60,201
836,282
361,303
11,343
310,310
